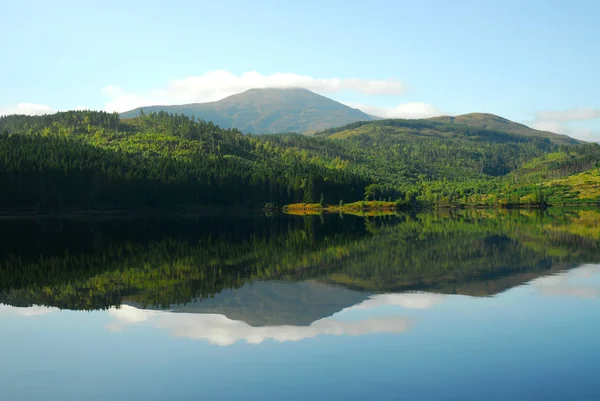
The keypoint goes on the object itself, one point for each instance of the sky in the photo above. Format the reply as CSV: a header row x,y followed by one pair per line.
x,y
534,62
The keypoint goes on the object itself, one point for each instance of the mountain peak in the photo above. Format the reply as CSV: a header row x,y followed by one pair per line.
x,y
269,110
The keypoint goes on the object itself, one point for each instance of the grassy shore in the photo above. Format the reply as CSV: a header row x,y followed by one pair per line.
x,y
362,208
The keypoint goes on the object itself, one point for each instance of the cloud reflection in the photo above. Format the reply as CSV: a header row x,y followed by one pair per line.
x,y
409,300
582,282
34,310
220,330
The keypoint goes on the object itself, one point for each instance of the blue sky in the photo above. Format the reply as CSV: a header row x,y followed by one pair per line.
x,y
535,62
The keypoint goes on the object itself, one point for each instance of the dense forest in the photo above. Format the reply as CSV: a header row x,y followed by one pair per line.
x,y
86,160
159,262
94,160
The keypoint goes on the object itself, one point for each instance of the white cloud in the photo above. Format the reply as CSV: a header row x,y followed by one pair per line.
x,y
32,109
34,310
550,126
584,134
405,110
558,121
127,102
580,114
220,330
216,85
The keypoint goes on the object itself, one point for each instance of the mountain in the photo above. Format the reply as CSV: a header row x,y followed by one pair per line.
x,y
268,111
497,123
474,126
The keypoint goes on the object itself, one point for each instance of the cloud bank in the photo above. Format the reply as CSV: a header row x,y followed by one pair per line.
x,y
31,109
216,85
559,121
582,114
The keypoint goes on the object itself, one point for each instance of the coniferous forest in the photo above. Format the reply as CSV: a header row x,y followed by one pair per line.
x,y
87,160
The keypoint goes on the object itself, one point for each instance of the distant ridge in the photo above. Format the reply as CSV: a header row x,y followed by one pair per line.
x,y
490,125
497,123
277,110
270,110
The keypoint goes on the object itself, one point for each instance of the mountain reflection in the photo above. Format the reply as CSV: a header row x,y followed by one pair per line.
x,y
274,303
288,270
582,282
220,330
257,322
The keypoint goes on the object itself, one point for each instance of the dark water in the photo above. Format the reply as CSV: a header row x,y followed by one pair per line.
x,y
473,305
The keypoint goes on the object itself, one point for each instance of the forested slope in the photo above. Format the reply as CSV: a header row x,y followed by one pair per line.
x,y
497,123
95,160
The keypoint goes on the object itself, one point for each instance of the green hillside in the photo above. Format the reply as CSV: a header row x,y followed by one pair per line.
x,y
85,160
497,123
475,126
268,111
569,176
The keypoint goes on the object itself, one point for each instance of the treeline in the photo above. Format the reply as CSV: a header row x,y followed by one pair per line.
x,y
94,160
153,161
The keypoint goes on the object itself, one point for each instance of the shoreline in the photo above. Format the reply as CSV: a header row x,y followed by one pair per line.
x,y
370,208
374,208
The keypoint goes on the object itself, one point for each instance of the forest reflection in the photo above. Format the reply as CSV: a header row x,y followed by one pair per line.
x,y
304,267
256,323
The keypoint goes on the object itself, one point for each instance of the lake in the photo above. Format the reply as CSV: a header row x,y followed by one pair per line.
x,y
448,305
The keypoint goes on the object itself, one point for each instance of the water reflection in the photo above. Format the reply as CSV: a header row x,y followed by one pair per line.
x,y
488,305
28,311
184,263
253,323
582,282
220,330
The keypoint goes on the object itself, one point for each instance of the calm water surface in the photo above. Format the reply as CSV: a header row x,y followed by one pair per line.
x,y
474,305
